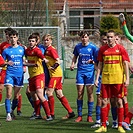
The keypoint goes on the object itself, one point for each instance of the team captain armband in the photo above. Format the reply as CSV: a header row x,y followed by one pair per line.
x,y
55,66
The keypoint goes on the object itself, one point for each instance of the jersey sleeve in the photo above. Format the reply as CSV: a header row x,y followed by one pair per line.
x,y
126,33
39,54
1,60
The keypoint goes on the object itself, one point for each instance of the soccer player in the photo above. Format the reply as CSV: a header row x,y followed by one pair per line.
x,y
103,41
37,78
85,52
113,64
55,82
13,56
129,116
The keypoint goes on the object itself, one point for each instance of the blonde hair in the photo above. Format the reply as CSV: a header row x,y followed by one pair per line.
x,y
47,36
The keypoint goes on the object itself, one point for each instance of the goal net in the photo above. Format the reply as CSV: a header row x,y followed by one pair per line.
x,y
24,33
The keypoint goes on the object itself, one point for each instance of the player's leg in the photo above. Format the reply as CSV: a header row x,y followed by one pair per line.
x,y
65,103
19,105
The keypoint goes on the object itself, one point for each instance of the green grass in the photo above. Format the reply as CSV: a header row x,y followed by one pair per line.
x,y
22,124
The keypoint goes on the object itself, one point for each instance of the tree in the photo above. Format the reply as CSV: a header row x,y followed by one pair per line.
x,y
27,12
109,22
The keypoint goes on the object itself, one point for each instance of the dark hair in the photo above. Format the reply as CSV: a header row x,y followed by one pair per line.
x,y
7,30
36,33
32,36
83,33
13,32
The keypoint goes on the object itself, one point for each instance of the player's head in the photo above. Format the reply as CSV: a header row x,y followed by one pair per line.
x,y
84,35
47,40
111,38
38,36
13,37
103,38
7,30
118,38
32,40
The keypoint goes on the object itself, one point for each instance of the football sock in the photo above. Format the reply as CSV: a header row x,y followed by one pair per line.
x,y
108,109
90,108
37,107
45,106
114,113
125,109
51,103
104,116
14,104
30,100
66,104
98,113
79,107
8,105
128,118
120,112
19,102
0,97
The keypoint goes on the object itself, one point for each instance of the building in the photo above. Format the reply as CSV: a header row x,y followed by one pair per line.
x,y
85,14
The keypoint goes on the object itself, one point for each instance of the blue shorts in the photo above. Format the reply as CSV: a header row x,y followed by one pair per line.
x,y
99,86
83,78
14,81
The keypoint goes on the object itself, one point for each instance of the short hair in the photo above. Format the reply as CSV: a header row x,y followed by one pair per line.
x,y
83,33
13,32
32,36
36,33
111,31
7,30
47,36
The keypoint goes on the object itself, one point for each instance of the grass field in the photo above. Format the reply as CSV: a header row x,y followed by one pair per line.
x,y
22,124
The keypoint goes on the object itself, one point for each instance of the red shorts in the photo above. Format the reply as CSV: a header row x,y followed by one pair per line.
x,y
56,83
2,76
112,90
37,82
125,91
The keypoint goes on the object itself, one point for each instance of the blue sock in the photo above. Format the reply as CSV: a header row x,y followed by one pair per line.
x,y
79,107
98,113
31,101
114,113
14,103
8,105
90,108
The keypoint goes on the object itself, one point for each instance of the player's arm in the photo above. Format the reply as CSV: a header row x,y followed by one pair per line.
x,y
99,69
126,69
124,26
74,60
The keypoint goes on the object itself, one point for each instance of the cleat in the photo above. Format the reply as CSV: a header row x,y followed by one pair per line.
x,y
89,119
19,113
35,117
68,116
12,115
53,116
49,118
115,125
8,118
126,126
101,129
121,130
96,125
33,114
79,119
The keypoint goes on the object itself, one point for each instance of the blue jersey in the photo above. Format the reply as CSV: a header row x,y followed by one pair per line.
x,y
14,54
84,53
41,47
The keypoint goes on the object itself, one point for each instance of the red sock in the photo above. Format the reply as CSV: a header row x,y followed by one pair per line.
x,y
19,102
51,104
108,109
46,107
128,118
125,109
120,112
37,107
0,97
65,103
104,116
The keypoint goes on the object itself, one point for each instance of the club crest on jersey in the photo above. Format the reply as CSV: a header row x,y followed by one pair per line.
x,y
20,50
117,51
89,49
